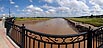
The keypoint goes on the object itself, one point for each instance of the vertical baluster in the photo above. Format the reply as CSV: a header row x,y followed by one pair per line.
x,y
17,37
73,45
26,39
93,40
33,43
96,40
29,42
102,37
84,40
38,44
44,45
51,45
79,44
66,46
58,45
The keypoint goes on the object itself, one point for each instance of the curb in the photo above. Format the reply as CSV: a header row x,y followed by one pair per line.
x,y
14,44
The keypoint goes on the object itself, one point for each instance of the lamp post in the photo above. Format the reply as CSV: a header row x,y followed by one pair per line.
x,y
9,12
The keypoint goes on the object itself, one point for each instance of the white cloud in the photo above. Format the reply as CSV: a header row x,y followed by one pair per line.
x,y
100,2
51,11
66,8
63,8
48,7
16,6
11,2
38,9
49,1
91,2
32,8
1,9
78,7
82,1
96,10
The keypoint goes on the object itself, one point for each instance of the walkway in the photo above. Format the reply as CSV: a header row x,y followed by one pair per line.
x,y
4,42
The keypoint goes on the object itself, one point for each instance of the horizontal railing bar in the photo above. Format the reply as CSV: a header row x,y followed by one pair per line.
x,y
55,36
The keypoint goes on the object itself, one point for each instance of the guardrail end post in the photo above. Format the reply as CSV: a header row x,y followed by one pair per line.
x,y
23,36
89,38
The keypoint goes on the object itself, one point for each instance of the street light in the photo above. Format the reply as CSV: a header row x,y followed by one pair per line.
x,y
9,12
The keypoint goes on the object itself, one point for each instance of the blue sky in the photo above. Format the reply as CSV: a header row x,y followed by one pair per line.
x,y
51,8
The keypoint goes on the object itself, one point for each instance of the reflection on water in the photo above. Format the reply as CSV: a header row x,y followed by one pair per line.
x,y
54,26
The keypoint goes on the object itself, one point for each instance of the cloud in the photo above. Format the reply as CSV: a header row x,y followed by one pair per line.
x,y
1,9
96,9
49,1
11,2
83,1
99,2
32,8
48,7
16,6
64,8
54,11
51,11
74,7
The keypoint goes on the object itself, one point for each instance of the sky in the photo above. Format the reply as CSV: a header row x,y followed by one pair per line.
x,y
51,8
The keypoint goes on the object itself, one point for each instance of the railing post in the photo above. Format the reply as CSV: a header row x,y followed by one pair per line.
x,y
23,37
7,25
89,38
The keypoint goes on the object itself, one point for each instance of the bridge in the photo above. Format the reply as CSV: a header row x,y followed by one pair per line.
x,y
26,38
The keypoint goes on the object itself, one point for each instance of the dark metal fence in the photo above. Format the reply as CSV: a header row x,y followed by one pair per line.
x,y
26,38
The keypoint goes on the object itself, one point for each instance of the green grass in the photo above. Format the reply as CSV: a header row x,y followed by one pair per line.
x,y
24,19
93,21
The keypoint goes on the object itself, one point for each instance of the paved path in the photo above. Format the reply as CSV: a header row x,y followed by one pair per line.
x,y
4,42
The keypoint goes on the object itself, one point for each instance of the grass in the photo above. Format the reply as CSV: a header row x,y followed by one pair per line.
x,y
30,18
93,21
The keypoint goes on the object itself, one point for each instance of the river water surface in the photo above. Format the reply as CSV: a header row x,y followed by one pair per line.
x,y
57,26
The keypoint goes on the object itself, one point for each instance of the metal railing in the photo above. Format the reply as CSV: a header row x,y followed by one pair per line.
x,y
26,38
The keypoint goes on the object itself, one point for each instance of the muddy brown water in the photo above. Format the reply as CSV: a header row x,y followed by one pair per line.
x,y
56,26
